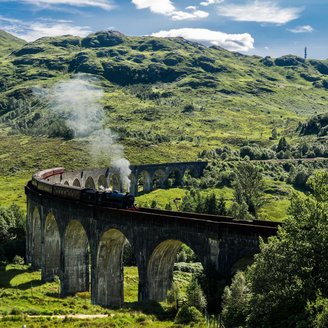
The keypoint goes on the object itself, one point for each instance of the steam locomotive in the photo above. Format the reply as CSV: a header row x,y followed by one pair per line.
x,y
115,199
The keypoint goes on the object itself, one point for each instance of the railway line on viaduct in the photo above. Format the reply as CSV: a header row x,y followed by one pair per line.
x,y
83,243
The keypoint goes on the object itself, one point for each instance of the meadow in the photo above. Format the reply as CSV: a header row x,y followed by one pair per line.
x,y
26,300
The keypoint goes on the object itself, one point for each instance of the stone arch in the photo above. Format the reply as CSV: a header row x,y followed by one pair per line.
x,y
36,239
174,178
76,259
158,179
110,276
52,241
77,183
66,183
160,268
102,182
115,182
90,183
143,182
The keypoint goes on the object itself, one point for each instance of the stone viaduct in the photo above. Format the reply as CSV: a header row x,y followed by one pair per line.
x,y
83,243
144,178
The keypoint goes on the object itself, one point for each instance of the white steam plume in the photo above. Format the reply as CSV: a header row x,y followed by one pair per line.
x,y
78,101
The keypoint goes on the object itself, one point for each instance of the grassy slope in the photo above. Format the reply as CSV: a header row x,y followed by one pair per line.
x,y
22,292
9,43
276,198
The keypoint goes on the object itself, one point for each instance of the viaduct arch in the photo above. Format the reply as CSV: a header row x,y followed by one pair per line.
x,y
83,243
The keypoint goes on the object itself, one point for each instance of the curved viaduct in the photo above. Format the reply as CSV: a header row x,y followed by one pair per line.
x,y
144,178
83,243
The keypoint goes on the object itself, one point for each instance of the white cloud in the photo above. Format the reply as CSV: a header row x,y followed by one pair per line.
x,y
9,20
167,8
260,11
210,2
31,31
103,4
164,7
183,15
302,29
233,42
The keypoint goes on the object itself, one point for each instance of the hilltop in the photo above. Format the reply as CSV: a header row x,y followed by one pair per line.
x,y
9,43
219,95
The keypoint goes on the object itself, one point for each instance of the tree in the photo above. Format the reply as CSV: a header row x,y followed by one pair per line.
x,y
7,224
168,206
153,204
248,187
222,206
12,232
235,302
211,204
292,268
195,295
282,145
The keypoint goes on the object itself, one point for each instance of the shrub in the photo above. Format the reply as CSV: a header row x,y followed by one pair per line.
x,y
188,314
18,260
195,295
173,295
188,267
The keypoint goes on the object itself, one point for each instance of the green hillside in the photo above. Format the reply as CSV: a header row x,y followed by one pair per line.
x,y
9,43
172,85
166,99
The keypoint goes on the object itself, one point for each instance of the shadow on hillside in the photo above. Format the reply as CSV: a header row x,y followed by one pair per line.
x,y
7,276
30,284
151,307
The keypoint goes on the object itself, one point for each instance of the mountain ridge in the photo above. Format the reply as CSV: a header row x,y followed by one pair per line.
x,y
220,96
9,43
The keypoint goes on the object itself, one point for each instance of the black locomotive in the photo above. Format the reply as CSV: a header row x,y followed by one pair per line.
x,y
113,199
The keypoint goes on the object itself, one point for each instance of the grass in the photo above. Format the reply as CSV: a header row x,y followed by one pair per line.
x,y
23,296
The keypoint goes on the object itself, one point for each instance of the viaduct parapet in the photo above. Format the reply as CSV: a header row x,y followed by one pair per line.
x,y
83,243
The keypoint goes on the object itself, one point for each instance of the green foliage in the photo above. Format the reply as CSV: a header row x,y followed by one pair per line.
x,y
187,314
195,295
189,267
235,302
174,294
18,260
248,189
186,254
283,145
194,201
12,232
7,224
318,311
292,268
317,125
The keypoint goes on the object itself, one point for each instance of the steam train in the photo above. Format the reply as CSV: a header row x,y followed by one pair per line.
x,y
115,199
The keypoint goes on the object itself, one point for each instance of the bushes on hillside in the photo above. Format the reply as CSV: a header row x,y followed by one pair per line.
x,y
12,233
287,285
187,314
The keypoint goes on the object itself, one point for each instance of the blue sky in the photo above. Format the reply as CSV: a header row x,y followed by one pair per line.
x,y
262,27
